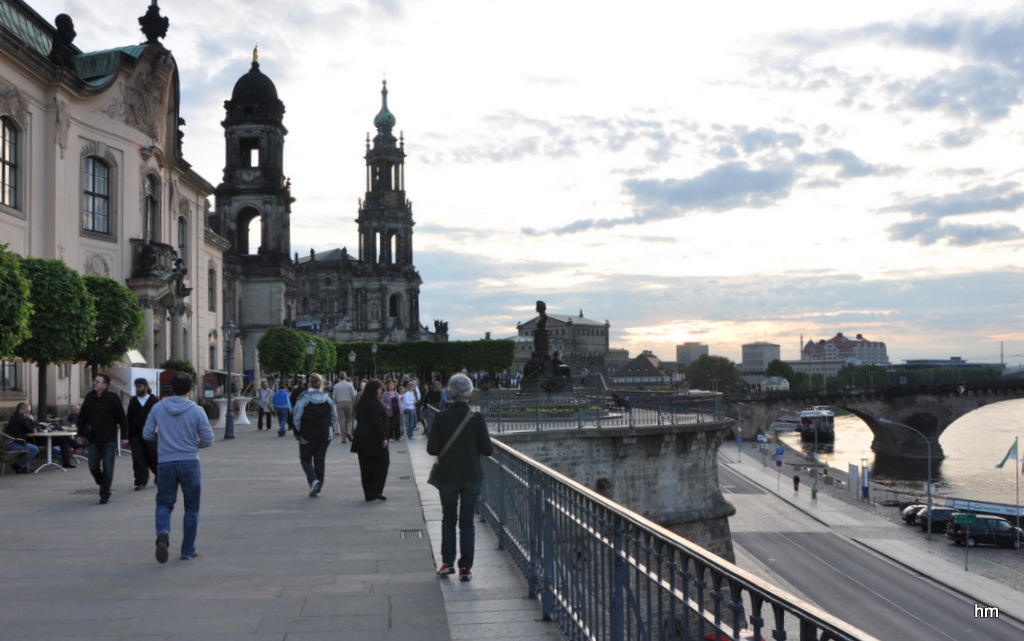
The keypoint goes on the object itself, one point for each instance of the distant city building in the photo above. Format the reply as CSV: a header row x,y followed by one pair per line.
x,y
935,363
644,371
689,352
583,342
854,351
756,357
775,384
827,357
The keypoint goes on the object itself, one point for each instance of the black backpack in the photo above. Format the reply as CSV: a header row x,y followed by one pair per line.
x,y
316,423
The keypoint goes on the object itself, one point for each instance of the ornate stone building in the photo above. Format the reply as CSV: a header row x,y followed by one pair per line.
x,y
92,173
583,342
373,296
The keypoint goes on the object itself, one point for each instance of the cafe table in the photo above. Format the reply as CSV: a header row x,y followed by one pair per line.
x,y
49,435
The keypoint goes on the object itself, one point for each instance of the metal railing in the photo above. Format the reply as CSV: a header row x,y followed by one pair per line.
x,y
604,573
580,410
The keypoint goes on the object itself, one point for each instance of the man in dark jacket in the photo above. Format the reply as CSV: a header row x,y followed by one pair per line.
x,y
143,451
459,473
101,416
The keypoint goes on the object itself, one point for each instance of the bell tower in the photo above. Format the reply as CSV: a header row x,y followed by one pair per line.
x,y
385,216
253,211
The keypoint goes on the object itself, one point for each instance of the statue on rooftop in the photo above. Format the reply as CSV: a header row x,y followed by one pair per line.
x,y
61,51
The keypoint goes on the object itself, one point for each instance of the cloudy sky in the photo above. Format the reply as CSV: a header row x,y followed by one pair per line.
x,y
722,174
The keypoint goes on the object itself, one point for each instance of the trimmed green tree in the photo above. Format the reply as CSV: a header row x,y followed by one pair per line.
x,y
15,306
63,319
282,350
325,357
180,365
714,372
119,323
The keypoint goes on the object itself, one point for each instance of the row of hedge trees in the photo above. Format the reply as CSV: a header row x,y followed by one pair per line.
x,y
283,350
52,314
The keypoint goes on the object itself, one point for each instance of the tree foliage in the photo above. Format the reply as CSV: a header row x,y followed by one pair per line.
x,y
63,319
424,357
15,305
797,380
282,350
714,372
325,357
119,322
180,365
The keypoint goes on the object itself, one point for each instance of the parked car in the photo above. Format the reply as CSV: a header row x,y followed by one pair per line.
x,y
939,516
988,529
910,513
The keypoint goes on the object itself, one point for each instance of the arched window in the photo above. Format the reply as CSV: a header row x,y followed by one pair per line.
x,y
211,278
96,195
8,163
151,209
213,356
183,239
393,306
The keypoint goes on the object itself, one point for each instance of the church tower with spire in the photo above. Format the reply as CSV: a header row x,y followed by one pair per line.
x,y
373,296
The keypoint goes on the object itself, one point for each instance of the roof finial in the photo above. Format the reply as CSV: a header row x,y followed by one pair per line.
x,y
256,53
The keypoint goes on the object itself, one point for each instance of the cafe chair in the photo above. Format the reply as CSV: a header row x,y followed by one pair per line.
x,y
9,456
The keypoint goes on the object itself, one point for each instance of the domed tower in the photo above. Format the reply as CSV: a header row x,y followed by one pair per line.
x,y
254,202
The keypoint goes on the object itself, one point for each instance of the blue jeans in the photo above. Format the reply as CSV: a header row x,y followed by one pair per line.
x,y
170,475
458,504
282,419
410,422
32,451
101,465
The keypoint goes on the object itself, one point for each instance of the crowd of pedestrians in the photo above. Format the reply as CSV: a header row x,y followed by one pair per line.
x,y
166,435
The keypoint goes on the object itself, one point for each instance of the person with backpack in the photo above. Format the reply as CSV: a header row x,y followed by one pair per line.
x,y
316,420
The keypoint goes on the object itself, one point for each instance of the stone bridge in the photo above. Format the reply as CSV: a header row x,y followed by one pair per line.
x,y
928,408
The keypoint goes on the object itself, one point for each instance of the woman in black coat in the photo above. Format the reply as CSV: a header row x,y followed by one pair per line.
x,y
370,441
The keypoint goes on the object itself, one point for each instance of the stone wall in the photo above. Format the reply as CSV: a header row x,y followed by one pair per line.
x,y
668,474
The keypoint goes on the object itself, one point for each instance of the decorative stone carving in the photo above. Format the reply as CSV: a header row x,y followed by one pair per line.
x,y
140,104
61,51
97,265
12,102
153,24
63,124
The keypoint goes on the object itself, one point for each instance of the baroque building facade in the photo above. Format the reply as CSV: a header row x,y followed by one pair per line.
x,y
92,173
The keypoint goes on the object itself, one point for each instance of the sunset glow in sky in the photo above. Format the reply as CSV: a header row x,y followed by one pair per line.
x,y
722,173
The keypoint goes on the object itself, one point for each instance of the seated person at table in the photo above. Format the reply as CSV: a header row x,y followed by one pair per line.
x,y
62,443
19,427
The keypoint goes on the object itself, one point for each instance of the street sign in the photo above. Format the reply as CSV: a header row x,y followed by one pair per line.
x,y
778,463
779,451
965,519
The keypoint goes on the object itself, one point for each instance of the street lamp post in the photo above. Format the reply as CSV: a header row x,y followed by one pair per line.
x,y
739,428
310,350
373,350
229,348
928,488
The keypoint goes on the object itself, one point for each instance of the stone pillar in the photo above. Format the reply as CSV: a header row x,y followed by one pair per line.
x,y
147,335
178,331
159,336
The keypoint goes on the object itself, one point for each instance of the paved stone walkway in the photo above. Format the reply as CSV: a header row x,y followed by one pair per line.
x,y
273,564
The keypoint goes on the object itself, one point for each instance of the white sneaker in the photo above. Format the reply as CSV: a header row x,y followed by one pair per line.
x,y
314,488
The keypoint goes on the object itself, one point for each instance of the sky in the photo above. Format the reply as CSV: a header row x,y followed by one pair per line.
x,y
721,173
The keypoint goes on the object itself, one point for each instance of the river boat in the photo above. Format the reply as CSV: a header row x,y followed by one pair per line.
x,y
818,424
786,424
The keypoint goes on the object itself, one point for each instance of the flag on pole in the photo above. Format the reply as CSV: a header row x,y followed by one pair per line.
x,y
1012,454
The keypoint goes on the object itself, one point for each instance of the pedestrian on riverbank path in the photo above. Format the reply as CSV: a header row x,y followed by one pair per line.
x,y
796,484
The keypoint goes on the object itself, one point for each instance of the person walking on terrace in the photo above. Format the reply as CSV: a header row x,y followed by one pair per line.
x,y
283,407
180,428
370,441
344,396
459,438
316,421
143,451
101,416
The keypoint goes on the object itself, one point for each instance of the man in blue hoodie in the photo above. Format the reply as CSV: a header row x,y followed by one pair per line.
x,y
183,429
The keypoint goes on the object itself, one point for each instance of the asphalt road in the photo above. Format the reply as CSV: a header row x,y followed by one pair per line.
x,y
846,579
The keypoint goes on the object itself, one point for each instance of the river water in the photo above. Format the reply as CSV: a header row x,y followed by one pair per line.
x,y
973,446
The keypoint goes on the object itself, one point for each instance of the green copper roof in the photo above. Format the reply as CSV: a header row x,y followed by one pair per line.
x,y
98,67
385,119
